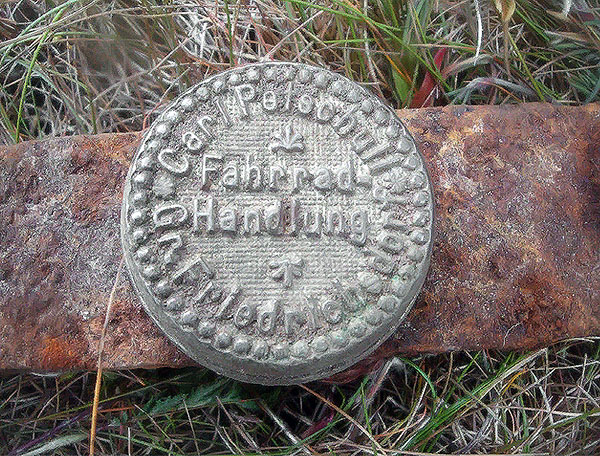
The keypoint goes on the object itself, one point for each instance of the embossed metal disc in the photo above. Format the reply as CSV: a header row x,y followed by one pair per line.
x,y
277,222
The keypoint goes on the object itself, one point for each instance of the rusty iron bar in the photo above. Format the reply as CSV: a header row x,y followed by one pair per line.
x,y
516,261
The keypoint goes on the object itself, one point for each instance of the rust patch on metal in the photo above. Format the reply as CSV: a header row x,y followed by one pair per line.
x,y
518,241
59,353
516,261
93,202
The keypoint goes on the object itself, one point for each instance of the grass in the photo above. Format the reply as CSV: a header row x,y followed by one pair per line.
x,y
90,66
87,66
543,402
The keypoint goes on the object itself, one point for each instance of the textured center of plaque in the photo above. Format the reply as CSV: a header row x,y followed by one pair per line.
x,y
279,215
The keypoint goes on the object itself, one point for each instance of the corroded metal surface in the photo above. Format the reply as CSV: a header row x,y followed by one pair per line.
x,y
516,257
277,222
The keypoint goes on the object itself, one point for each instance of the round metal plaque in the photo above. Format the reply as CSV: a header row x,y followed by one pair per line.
x,y
277,222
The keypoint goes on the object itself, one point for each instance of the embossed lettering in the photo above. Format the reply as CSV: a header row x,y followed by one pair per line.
x,y
231,176
274,219
362,141
206,168
209,293
193,142
288,96
223,111
325,112
251,221
169,160
170,216
266,317
323,179
313,313
193,272
392,223
301,176
228,219
346,177
257,177
208,216
253,176
344,124
292,319
312,228
378,159
203,123
227,303
275,167
380,261
335,222
359,227
369,154
269,101
350,296
175,241
306,104
276,174
385,164
332,311
244,315
390,242
243,94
